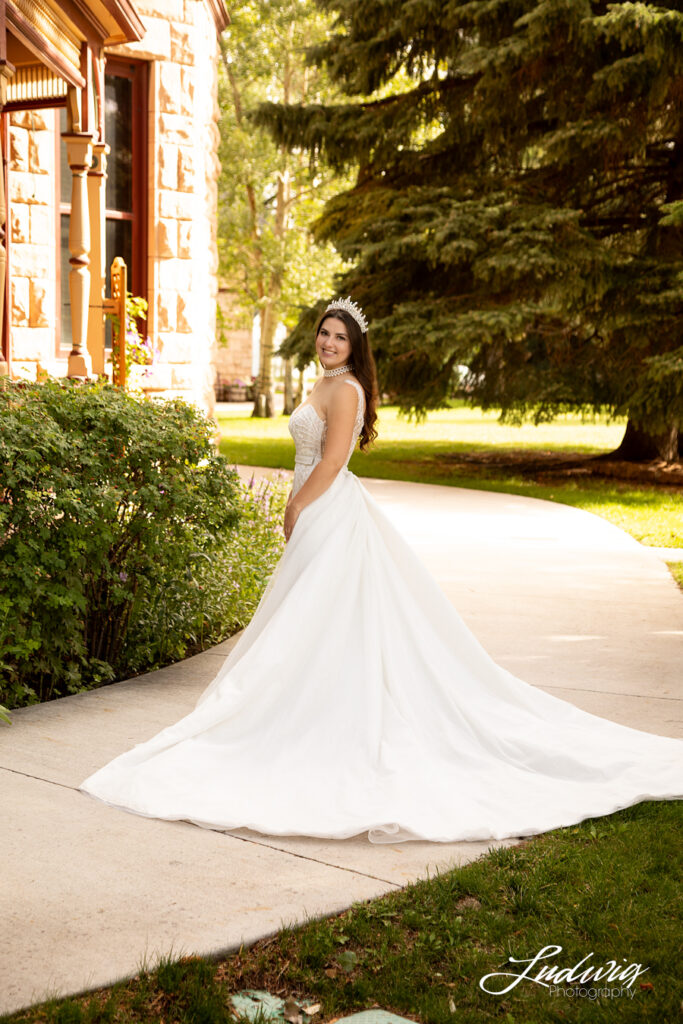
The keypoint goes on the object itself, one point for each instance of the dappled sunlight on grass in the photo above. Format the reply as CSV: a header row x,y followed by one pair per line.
x,y
464,427
418,452
460,428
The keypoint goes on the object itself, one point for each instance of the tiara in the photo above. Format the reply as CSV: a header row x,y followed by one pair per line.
x,y
350,307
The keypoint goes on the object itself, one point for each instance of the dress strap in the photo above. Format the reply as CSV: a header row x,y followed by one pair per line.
x,y
359,388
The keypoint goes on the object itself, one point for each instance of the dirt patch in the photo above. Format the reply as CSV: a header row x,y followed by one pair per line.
x,y
551,466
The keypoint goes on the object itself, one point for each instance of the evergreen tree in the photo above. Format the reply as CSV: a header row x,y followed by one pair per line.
x,y
518,206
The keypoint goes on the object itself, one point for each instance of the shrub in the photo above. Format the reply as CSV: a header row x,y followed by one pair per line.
x,y
183,612
103,500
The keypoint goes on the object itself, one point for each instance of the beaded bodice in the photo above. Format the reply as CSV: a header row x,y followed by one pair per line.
x,y
309,431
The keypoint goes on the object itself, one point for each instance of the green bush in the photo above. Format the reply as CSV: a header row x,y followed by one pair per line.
x,y
217,592
104,500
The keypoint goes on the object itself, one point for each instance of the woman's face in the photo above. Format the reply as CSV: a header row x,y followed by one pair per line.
x,y
333,344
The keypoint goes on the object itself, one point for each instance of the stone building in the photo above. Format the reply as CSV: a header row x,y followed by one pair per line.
x,y
110,139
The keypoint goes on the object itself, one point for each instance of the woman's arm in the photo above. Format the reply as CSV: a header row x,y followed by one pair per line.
x,y
341,417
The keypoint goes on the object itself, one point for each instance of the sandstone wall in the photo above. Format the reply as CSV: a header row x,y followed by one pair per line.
x,y
32,251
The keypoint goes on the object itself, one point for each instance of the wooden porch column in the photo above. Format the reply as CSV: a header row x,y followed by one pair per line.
x,y
79,151
97,176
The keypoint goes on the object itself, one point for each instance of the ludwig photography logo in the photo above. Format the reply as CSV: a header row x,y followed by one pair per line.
x,y
577,980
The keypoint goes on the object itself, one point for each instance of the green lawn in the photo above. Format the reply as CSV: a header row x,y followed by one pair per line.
x,y
419,452
606,889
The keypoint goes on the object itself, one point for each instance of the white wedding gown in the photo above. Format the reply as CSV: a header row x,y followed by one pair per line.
x,y
357,700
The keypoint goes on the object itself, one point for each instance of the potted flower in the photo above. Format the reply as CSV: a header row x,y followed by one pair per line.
x,y
139,352
237,390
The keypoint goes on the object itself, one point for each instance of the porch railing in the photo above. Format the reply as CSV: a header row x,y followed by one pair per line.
x,y
116,308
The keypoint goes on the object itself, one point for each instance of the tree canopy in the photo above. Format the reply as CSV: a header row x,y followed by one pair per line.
x,y
267,197
518,202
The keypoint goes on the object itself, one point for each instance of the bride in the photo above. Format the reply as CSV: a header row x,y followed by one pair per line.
x,y
356,700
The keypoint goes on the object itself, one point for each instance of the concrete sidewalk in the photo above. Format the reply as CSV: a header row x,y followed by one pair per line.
x,y
559,597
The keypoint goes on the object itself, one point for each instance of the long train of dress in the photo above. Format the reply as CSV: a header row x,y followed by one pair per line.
x,y
357,700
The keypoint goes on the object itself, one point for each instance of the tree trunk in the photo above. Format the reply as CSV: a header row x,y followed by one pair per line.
x,y
264,398
670,443
288,388
640,445
664,242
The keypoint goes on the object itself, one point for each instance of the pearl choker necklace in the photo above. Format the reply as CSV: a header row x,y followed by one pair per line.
x,y
333,373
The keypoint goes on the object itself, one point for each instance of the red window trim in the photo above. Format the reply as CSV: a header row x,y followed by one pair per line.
x,y
138,71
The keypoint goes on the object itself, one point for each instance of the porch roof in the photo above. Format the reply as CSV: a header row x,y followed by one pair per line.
x,y
44,34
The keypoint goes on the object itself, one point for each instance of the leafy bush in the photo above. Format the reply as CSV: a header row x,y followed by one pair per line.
x,y
216,593
103,500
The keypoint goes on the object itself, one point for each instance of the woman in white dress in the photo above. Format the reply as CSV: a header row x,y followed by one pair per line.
x,y
356,700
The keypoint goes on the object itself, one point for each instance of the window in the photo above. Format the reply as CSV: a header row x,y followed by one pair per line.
x,y
125,131
64,317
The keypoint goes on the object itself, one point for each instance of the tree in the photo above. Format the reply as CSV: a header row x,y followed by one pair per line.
x,y
518,206
268,195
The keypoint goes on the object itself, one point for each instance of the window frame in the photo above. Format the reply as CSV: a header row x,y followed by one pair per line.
x,y
138,72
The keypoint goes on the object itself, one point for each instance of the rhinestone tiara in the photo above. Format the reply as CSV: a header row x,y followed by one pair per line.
x,y
350,307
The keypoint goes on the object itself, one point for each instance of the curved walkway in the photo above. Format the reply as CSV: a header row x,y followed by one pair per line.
x,y
558,596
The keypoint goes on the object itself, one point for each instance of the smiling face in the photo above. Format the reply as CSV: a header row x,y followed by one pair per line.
x,y
333,344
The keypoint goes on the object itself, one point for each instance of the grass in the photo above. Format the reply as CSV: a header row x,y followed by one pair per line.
x,y
606,889
677,572
424,453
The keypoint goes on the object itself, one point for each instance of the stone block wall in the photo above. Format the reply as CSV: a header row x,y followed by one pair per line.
x,y
32,251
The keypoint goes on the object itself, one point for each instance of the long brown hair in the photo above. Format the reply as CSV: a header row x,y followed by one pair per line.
x,y
364,368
